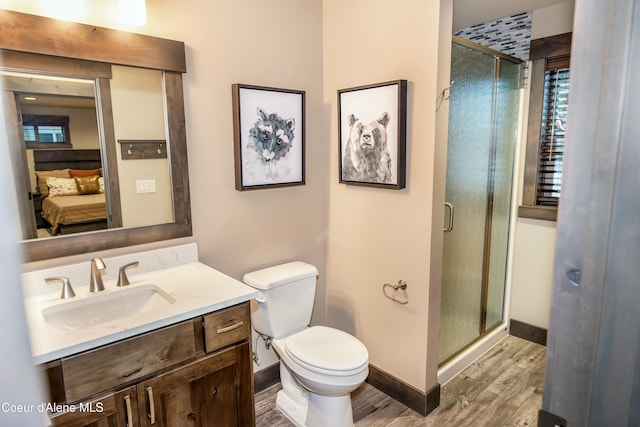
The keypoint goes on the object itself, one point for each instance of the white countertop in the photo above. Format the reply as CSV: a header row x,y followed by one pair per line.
x,y
196,288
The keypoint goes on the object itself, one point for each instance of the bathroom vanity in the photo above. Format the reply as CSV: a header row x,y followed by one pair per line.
x,y
178,353
195,372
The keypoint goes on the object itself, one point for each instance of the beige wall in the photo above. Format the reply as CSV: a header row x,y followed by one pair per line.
x,y
379,236
137,97
274,44
535,240
552,20
278,44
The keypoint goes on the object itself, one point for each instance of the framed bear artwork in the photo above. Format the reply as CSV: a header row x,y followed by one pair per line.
x,y
372,135
268,125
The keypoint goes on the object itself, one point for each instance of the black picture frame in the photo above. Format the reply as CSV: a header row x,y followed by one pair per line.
x,y
269,133
372,126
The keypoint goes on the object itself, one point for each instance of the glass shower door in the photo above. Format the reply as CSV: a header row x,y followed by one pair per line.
x,y
506,129
482,126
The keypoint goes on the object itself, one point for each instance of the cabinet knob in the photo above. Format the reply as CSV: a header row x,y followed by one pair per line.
x,y
191,416
214,391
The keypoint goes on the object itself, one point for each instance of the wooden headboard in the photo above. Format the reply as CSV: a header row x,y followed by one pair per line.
x,y
46,160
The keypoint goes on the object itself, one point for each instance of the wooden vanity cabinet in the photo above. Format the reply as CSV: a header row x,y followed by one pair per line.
x,y
202,393
113,410
213,387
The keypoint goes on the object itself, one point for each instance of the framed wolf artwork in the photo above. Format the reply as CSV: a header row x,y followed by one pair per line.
x,y
268,126
372,134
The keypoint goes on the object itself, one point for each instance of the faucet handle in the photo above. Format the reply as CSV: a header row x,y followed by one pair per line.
x,y
123,280
67,290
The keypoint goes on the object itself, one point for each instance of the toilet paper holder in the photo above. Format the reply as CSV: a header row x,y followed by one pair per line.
x,y
401,286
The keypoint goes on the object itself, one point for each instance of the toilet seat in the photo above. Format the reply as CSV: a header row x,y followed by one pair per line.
x,y
327,351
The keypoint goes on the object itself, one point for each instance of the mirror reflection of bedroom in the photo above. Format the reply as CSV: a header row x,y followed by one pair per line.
x,y
59,158
61,161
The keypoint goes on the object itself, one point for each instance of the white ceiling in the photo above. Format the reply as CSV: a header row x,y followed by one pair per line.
x,y
472,12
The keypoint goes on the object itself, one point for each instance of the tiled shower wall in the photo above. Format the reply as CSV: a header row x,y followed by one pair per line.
x,y
510,35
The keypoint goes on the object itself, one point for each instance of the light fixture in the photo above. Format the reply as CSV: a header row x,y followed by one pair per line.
x,y
66,10
30,98
133,12
105,12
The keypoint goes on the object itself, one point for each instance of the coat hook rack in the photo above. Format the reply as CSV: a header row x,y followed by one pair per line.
x,y
143,149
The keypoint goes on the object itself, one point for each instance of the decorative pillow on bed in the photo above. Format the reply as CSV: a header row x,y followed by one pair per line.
x,y
79,173
62,186
88,184
42,176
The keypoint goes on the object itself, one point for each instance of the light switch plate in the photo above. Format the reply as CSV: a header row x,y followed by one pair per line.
x,y
146,186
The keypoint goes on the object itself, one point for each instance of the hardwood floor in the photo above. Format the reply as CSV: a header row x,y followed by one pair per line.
x,y
502,388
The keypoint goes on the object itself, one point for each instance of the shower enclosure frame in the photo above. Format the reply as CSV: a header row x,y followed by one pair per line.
x,y
489,335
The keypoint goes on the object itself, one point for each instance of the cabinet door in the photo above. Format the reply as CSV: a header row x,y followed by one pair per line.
x,y
114,410
200,394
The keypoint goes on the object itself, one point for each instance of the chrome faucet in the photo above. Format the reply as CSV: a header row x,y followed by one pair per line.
x,y
95,284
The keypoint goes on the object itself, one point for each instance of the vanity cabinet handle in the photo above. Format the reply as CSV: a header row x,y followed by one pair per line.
x,y
127,404
152,408
229,328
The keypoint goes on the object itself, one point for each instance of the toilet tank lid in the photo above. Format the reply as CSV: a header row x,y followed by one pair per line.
x,y
278,275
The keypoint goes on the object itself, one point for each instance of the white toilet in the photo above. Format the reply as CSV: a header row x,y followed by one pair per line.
x,y
319,366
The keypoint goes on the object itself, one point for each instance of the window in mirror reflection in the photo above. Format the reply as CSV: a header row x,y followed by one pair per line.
x,y
42,131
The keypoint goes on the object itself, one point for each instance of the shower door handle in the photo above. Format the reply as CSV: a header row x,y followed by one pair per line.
x,y
449,227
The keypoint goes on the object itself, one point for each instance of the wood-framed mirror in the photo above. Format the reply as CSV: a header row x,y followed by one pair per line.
x,y
34,48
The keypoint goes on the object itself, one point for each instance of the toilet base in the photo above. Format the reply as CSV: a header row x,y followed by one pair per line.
x,y
294,409
317,411
329,411
305,409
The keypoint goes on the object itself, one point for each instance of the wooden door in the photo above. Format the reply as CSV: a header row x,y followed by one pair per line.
x,y
199,394
114,410
593,358
18,156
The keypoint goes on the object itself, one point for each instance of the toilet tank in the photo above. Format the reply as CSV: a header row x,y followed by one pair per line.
x,y
285,298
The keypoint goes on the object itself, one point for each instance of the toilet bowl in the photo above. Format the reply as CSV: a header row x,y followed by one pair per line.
x,y
319,368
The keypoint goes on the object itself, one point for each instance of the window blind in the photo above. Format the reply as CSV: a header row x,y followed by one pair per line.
x,y
554,115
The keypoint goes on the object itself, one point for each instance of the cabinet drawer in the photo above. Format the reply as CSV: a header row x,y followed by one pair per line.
x,y
115,364
226,327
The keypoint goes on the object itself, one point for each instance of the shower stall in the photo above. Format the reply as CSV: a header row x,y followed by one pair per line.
x,y
483,124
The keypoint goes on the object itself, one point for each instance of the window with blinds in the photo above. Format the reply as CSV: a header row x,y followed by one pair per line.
x,y
554,115
549,92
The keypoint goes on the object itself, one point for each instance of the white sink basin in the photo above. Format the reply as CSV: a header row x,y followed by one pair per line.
x,y
103,308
